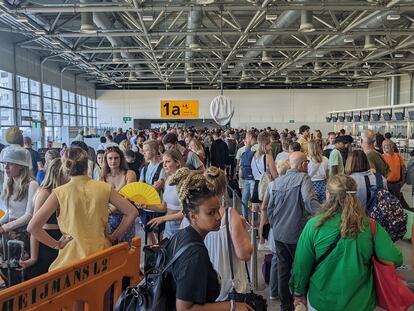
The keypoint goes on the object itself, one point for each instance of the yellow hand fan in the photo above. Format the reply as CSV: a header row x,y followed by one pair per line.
x,y
141,193
2,213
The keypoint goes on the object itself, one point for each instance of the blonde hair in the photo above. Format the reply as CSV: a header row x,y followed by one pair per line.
x,y
74,161
22,185
282,166
176,156
342,199
123,145
192,189
199,149
218,179
54,175
315,151
263,139
51,155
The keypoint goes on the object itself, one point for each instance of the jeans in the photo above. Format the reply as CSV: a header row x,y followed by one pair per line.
x,y
273,282
248,186
285,254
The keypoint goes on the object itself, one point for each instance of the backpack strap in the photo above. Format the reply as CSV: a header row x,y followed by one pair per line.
x,y
179,253
145,172
264,162
229,243
368,189
327,252
378,179
157,173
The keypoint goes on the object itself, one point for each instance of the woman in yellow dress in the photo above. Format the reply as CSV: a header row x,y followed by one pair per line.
x,y
82,209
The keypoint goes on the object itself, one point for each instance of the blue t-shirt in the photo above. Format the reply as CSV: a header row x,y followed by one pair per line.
x,y
35,158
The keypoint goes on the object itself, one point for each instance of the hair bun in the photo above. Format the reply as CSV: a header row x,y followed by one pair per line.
x,y
213,171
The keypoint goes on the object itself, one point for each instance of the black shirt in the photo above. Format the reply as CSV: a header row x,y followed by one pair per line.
x,y
195,278
219,153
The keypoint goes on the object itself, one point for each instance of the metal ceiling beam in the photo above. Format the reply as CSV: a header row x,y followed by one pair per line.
x,y
280,7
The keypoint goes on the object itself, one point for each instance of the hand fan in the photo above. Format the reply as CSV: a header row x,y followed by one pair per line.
x,y
141,193
2,213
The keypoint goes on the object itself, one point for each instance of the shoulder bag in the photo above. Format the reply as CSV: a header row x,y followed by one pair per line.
x,y
257,302
391,292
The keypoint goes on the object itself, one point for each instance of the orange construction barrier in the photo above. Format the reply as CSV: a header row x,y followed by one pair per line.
x,y
86,280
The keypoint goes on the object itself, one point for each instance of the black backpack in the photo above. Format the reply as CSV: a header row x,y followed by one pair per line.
x,y
154,292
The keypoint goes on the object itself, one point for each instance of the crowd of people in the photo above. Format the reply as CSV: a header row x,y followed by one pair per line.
x,y
309,192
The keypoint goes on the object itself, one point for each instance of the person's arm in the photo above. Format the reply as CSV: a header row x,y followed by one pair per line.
x,y
161,181
242,245
127,209
35,226
41,197
271,165
131,176
155,222
304,261
334,170
264,219
385,249
195,161
308,195
28,212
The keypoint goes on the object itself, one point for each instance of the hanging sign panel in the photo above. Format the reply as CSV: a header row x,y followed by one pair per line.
x,y
178,109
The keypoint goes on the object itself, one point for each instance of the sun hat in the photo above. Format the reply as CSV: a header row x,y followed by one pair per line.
x,y
16,155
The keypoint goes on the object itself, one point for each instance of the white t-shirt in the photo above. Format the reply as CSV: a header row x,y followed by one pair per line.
x,y
317,171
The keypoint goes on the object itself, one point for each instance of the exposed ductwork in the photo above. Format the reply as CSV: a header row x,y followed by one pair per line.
x,y
102,21
195,18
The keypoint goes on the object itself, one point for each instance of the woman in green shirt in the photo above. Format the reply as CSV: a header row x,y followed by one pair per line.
x,y
344,279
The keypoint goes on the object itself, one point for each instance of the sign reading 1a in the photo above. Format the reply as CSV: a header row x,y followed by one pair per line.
x,y
177,109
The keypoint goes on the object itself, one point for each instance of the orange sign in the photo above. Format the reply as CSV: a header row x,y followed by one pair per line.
x,y
178,109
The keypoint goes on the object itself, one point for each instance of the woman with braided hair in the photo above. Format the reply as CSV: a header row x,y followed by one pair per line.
x,y
196,282
343,280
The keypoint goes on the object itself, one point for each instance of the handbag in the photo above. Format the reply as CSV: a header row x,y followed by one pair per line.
x,y
392,294
257,302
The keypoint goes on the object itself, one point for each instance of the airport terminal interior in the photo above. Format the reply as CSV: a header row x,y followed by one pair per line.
x,y
206,155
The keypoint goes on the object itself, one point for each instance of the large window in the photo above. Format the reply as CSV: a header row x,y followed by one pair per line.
x,y
6,99
59,108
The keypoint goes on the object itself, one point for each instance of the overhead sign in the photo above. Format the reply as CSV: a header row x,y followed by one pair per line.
x,y
178,109
126,119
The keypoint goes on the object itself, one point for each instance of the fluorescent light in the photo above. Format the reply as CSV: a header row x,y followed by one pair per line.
x,y
239,55
299,65
55,42
195,46
348,39
398,55
366,66
262,84
393,17
342,73
158,56
349,85
319,54
283,73
230,66
251,40
22,19
40,32
309,84
148,18
324,80
154,41
271,80
271,17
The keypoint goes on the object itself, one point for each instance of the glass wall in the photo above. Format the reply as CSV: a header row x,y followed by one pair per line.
x,y
60,107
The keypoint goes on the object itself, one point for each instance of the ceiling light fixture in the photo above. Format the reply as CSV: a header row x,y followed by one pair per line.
x,y
288,81
271,17
356,74
87,25
188,81
252,40
299,65
239,55
190,68
369,43
116,57
306,22
231,66
244,76
324,80
393,17
266,58
317,67
148,18
154,41
22,19
194,47
319,54
132,76
40,32
348,39
398,55
342,73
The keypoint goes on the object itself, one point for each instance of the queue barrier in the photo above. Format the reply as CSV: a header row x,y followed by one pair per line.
x,y
87,280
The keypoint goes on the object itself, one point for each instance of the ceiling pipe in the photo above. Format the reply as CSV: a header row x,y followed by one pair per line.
x,y
195,18
87,20
102,21
285,20
374,21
